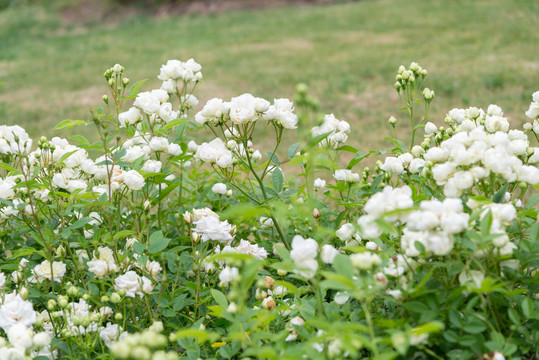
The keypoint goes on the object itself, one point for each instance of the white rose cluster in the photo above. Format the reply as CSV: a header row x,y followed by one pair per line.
x,y
433,225
303,253
102,263
346,176
207,226
16,311
14,140
245,247
188,71
339,129
481,143
215,152
388,200
133,284
24,342
246,109
49,271
144,345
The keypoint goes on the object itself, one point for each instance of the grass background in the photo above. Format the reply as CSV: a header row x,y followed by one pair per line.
x,y
476,52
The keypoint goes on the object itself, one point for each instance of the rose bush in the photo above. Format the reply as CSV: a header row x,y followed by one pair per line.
x,y
153,244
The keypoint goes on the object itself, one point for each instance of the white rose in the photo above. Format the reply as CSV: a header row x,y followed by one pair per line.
x,y
474,276
211,228
303,249
430,128
229,274
159,144
20,336
365,260
148,102
133,180
129,117
393,165
130,282
219,188
152,166
15,310
319,183
43,271
174,149
111,334
41,339
328,253
345,232
242,109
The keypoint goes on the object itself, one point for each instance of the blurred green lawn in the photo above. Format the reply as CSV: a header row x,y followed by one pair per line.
x,y
476,52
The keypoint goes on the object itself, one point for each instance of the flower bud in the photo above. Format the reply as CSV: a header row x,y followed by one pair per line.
x,y
111,82
51,304
302,89
118,316
268,303
62,302
23,292
105,99
86,297
316,213
17,277
115,298
56,315
125,81
77,320
86,321
392,121
281,272
269,282
72,291
260,294
232,308
41,340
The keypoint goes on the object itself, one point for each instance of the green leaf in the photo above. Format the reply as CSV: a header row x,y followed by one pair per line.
x,y
527,308
80,223
475,326
133,89
348,148
533,200
416,306
200,335
175,122
430,327
68,124
316,140
123,234
400,342
344,266
273,158
486,223
7,167
164,193
80,139
66,155
277,180
220,298
498,197
157,242
292,150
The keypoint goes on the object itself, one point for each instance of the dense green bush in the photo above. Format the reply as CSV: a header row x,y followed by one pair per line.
x,y
151,244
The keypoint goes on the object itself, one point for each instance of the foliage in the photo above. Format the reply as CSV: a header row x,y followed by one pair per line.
x,y
145,244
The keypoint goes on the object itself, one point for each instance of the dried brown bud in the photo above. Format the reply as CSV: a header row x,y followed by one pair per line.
x,y
269,282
